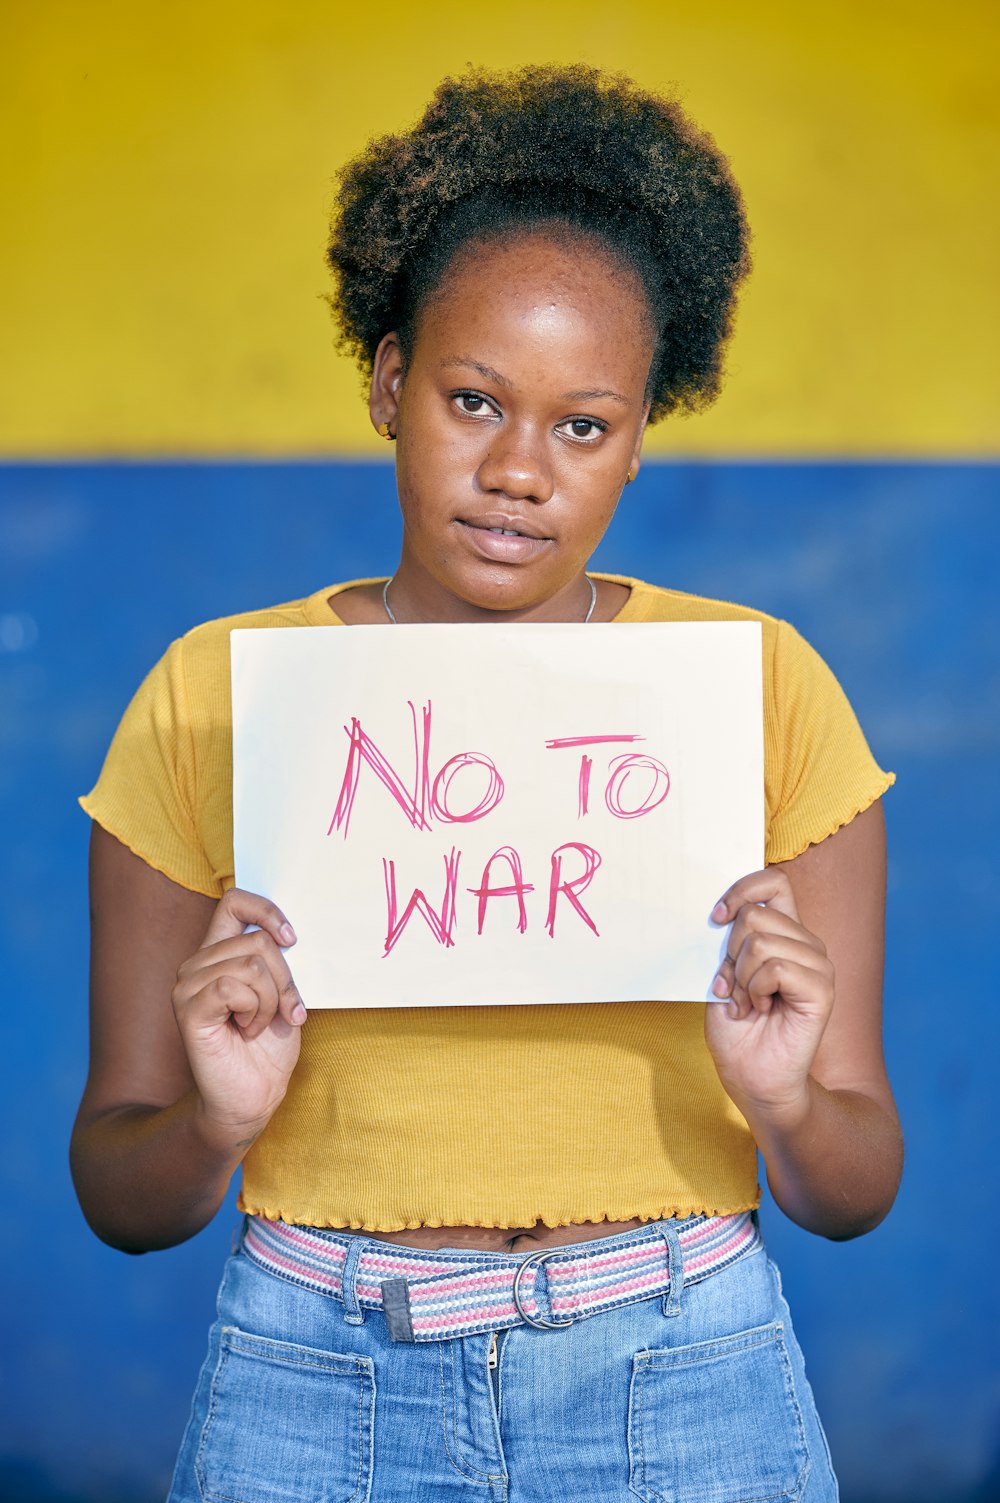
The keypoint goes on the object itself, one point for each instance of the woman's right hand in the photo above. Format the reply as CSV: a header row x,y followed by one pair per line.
x,y
240,1014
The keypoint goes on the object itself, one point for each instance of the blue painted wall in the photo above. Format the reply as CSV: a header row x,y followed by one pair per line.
x,y
891,570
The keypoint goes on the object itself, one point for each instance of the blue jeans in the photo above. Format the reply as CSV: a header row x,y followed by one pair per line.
x,y
708,1403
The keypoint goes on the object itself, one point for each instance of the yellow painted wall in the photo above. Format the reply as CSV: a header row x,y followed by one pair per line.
x,y
167,176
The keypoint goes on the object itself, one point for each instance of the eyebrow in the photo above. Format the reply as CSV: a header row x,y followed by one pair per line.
x,y
590,395
595,395
484,370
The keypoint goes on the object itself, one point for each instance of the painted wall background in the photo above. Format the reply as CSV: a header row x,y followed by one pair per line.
x,y
168,172
178,439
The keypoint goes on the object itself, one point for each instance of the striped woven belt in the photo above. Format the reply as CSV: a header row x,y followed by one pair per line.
x,y
430,1296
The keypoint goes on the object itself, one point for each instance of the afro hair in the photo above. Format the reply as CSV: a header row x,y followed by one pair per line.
x,y
496,154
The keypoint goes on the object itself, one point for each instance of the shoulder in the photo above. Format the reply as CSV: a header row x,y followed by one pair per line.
x,y
203,651
213,636
190,684
818,770
651,602
793,670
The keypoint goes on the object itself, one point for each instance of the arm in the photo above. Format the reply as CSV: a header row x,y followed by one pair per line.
x,y
194,1033
799,1045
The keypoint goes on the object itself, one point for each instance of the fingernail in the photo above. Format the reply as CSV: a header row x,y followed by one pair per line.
x,y
719,912
299,1013
720,986
286,934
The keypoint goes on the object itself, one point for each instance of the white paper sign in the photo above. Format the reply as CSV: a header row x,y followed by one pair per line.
x,y
498,814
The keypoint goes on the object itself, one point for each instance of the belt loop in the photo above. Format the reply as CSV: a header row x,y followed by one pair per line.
x,y
675,1270
353,1313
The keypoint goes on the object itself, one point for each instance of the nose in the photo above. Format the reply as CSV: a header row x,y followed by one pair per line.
x,y
517,464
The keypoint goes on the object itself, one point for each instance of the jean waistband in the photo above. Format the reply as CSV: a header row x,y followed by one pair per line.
x,y
431,1296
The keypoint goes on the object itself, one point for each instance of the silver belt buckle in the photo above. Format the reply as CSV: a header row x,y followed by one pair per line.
x,y
538,1259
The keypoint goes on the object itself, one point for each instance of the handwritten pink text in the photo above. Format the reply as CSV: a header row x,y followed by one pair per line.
x,y
467,788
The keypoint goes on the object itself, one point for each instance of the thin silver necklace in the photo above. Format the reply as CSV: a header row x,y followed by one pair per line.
x,y
388,607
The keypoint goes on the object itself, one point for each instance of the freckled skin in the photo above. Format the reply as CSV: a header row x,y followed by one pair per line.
x,y
531,330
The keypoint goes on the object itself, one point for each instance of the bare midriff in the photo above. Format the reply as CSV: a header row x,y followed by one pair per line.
x,y
506,1239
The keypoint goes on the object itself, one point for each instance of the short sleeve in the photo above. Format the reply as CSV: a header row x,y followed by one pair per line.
x,y
146,795
821,772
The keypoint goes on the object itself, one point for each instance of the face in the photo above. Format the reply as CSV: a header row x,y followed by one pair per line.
x,y
518,417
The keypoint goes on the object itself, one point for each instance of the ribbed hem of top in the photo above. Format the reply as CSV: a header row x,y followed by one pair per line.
x,y
865,801
88,807
672,1210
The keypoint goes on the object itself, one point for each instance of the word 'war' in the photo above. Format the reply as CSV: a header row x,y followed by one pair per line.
x,y
431,798
442,921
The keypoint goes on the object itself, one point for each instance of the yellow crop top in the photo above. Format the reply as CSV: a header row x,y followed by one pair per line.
x,y
483,1116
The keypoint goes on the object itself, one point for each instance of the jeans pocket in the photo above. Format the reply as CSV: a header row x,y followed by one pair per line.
x,y
717,1422
286,1424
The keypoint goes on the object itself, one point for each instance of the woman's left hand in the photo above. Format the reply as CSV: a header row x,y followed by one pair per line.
x,y
780,986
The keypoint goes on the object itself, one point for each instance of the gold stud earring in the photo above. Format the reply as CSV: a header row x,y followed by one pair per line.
x,y
383,431
630,476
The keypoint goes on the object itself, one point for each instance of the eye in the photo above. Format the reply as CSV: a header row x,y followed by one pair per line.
x,y
473,404
588,430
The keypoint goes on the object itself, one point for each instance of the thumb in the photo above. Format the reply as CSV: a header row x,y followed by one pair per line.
x,y
237,910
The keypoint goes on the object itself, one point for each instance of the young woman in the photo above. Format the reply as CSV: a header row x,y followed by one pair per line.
x,y
503,1252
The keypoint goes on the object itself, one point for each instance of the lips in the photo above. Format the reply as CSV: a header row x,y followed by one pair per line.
x,y
502,539
504,526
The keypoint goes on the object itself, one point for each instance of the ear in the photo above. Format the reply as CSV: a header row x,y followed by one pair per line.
x,y
387,383
633,468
